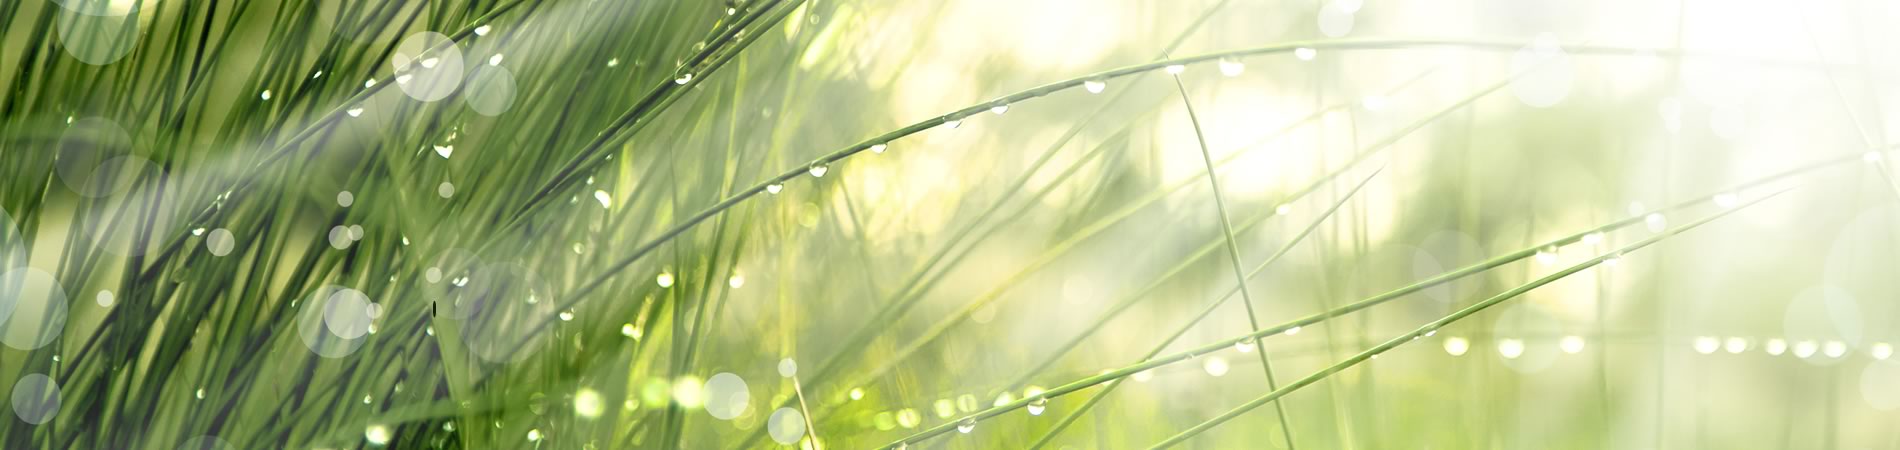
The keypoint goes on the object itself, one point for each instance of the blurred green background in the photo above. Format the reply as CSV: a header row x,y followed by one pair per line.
x,y
599,224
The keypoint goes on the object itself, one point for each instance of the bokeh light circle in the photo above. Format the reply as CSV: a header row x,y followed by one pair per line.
x,y
96,158
786,426
97,32
726,396
313,326
32,308
428,66
491,91
347,314
36,398
220,242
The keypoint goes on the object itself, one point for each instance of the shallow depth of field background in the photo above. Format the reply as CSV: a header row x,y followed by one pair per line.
x,y
213,237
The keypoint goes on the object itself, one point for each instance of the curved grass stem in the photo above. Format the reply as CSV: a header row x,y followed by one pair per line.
x,y
1441,323
1233,256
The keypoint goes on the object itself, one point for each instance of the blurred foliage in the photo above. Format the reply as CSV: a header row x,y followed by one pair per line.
x,y
847,224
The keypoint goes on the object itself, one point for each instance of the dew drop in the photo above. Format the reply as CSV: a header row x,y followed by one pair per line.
x,y
567,316
369,83
345,199
265,95
495,60
1095,86
684,78
482,30
355,112
954,124
1283,209
664,279
1215,366
1456,346
404,78
1244,346
774,188
1175,69
1036,407
1834,349
1511,348
1546,256
1804,349
444,150
1292,331
968,424
606,201
999,109
1305,53
588,403
376,434
1775,347
1232,67
104,299
880,148
1593,239
446,189
200,394
1656,222
1707,344
1571,344
818,170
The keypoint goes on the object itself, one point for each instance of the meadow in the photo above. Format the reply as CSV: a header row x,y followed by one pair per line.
x,y
912,224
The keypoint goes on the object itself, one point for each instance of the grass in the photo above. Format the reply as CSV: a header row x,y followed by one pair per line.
x,y
651,210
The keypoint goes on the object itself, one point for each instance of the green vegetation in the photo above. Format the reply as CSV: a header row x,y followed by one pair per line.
x,y
847,224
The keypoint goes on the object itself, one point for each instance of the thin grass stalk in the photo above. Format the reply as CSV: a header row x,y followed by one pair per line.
x,y
681,227
1433,326
1233,257
1311,226
1421,285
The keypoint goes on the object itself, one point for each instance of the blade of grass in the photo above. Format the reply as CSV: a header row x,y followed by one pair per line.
x,y
1441,323
1233,256
1070,419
